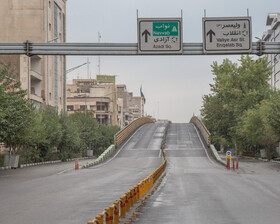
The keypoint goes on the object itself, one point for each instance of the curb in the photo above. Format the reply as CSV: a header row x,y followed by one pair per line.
x,y
101,158
43,163
216,155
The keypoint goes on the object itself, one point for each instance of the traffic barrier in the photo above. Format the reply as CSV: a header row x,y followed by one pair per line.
x,y
203,130
228,164
116,212
124,204
102,157
237,163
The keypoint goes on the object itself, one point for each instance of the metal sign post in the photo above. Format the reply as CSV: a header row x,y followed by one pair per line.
x,y
228,156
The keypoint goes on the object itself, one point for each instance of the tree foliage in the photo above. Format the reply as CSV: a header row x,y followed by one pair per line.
x,y
15,109
241,108
39,134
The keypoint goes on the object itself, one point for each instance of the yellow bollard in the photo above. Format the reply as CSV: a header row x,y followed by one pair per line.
x,y
137,192
100,218
127,205
123,209
116,212
141,189
111,213
107,216
131,197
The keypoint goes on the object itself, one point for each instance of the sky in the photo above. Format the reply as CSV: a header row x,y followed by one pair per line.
x,y
173,85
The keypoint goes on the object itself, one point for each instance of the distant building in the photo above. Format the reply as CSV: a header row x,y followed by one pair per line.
x,y
37,21
133,106
273,35
87,95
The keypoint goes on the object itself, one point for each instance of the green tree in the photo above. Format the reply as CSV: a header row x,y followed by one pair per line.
x,y
53,129
236,89
15,109
88,130
70,140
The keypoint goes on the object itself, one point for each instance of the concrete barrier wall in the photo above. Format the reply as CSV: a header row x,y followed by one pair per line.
x,y
102,157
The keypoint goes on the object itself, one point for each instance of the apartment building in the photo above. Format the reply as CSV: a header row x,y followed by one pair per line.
x,y
273,35
87,95
37,21
133,106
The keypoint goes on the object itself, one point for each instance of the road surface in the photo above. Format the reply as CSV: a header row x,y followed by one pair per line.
x,y
197,190
50,194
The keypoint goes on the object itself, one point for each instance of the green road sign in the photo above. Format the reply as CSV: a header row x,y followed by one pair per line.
x,y
165,28
160,36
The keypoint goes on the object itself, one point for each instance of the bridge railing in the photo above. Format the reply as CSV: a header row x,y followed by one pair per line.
x,y
126,132
120,208
203,130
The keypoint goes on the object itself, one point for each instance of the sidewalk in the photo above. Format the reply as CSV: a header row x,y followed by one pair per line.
x,y
87,159
252,165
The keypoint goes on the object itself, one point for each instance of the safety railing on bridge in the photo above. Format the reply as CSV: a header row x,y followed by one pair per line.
x,y
203,130
126,132
120,208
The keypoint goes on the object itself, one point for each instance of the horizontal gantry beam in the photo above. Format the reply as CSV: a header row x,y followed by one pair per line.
x,y
29,48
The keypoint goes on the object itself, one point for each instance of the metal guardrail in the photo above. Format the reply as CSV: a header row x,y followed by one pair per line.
x,y
126,132
121,207
29,48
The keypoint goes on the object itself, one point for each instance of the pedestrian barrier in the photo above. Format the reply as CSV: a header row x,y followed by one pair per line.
x,y
122,206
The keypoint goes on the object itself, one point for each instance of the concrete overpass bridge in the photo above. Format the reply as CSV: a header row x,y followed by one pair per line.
x,y
193,188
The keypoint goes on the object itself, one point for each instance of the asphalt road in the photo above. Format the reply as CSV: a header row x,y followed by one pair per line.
x,y
59,194
198,190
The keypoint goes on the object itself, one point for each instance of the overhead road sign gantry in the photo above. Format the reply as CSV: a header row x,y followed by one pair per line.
x,y
116,49
225,35
160,36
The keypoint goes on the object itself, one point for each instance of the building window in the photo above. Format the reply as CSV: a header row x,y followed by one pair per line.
x,y
102,106
70,108
50,4
50,27
82,107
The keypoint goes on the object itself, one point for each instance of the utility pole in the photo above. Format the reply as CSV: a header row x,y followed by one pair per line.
x,y
88,68
99,37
